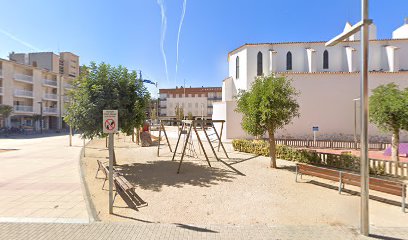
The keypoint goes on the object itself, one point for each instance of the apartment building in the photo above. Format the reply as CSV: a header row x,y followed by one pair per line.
x,y
34,81
197,101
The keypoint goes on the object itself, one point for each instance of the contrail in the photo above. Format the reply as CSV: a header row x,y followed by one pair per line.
x,y
19,40
163,35
179,31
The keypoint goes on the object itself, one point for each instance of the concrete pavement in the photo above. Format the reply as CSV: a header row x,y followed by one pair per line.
x,y
144,231
40,181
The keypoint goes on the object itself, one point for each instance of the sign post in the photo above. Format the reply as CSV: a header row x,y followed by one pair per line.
x,y
315,129
110,125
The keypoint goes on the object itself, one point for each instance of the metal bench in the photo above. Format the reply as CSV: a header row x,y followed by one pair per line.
x,y
377,184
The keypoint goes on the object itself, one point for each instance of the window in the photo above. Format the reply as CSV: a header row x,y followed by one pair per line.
x,y
259,64
237,68
326,60
289,61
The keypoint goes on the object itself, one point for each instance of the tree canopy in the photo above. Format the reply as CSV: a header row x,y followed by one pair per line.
x,y
5,111
389,107
104,87
269,105
389,111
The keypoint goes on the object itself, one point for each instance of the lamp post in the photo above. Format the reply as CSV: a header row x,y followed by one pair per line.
x,y
41,113
363,25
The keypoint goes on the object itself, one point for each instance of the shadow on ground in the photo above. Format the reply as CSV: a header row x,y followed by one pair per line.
x,y
153,175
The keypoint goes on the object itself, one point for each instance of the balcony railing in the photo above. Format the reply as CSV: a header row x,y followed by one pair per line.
x,y
50,82
23,93
1,90
23,77
67,85
50,110
50,96
23,108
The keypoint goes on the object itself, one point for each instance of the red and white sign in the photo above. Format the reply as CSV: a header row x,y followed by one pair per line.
x,y
110,121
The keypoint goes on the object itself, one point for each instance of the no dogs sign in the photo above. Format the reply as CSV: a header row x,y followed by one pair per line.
x,y
110,121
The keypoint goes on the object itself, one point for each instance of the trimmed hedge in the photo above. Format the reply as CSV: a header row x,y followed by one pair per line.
x,y
342,161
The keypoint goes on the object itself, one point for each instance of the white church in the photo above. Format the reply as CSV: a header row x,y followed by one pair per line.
x,y
327,78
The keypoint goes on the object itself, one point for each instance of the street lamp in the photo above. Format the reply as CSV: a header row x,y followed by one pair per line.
x,y
41,113
363,25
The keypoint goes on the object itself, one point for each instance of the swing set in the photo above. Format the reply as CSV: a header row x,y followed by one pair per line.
x,y
187,129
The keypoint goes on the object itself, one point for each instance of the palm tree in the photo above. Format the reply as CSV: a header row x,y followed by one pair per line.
x,y
5,112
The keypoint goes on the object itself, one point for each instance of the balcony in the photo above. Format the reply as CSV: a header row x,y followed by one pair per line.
x,y
1,90
50,96
23,78
67,99
1,73
23,93
50,110
23,108
51,83
67,85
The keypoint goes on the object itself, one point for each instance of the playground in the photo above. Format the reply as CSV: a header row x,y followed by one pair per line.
x,y
238,190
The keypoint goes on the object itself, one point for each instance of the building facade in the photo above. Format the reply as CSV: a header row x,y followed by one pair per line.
x,y
197,101
327,78
29,82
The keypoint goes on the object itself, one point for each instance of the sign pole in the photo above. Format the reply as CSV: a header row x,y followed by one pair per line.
x,y
110,173
314,137
110,126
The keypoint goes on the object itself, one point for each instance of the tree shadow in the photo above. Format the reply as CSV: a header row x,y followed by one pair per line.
x,y
153,175
383,237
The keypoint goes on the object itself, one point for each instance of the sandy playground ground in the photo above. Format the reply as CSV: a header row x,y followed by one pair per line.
x,y
218,195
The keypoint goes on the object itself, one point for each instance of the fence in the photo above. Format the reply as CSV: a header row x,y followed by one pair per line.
x,y
329,144
377,166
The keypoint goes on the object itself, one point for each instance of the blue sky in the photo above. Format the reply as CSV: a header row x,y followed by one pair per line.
x,y
129,32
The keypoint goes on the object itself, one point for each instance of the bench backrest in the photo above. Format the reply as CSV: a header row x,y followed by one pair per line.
x,y
377,184
325,173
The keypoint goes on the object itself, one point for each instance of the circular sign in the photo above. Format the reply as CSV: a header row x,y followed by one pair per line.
x,y
110,124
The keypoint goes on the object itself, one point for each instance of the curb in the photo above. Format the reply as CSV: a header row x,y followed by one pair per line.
x,y
90,207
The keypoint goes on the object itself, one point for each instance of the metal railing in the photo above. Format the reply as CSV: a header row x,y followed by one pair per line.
x,y
23,93
50,96
50,82
329,144
23,108
23,77
50,110
67,85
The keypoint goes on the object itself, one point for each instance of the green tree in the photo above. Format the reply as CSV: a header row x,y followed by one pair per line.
x,y
179,112
153,114
190,116
5,112
269,105
102,87
389,111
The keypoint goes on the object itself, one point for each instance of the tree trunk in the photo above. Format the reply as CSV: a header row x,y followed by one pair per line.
x,y
395,148
272,147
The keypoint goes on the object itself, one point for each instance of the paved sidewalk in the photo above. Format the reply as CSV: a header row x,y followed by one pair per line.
x,y
15,231
40,181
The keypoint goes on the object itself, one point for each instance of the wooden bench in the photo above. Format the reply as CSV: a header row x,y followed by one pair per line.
x,y
102,167
127,191
377,184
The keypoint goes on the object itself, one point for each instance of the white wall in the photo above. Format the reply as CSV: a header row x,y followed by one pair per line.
x,y
326,100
